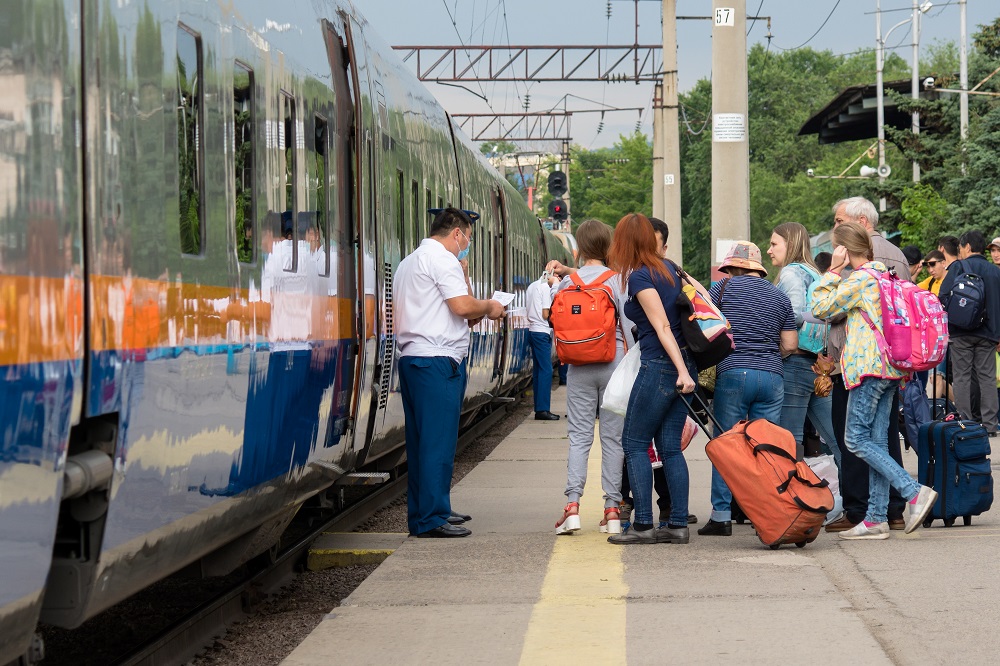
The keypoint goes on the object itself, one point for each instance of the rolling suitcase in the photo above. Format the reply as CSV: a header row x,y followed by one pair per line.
x,y
782,497
952,458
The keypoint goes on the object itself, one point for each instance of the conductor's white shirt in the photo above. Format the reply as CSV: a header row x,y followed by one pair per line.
x,y
425,325
539,298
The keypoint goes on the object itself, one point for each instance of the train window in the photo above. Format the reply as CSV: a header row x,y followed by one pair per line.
x,y
401,212
320,136
190,147
244,160
440,202
287,145
415,217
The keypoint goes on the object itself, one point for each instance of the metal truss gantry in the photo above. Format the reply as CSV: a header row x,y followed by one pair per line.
x,y
542,126
633,62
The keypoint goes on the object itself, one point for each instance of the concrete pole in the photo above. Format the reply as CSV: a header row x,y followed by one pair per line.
x,y
658,142
915,82
730,138
879,101
670,181
963,74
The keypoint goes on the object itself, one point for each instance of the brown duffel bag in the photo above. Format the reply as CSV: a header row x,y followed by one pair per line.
x,y
782,497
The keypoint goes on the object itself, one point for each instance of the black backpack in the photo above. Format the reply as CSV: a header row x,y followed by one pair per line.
x,y
966,302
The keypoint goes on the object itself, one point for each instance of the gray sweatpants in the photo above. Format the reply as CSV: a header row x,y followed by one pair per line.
x,y
974,360
585,386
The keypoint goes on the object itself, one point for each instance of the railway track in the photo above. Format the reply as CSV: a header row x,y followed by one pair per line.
x,y
185,637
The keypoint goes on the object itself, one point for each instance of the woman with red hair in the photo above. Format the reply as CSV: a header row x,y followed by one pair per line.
x,y
655,410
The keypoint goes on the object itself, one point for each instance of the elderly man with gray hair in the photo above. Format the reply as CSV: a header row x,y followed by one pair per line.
x,y
853,470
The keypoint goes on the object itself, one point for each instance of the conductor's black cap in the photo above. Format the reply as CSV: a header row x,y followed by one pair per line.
x,y
472,215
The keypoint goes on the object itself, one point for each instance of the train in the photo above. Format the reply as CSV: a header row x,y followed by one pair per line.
x,y
201,209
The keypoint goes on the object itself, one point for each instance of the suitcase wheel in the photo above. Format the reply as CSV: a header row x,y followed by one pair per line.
x,y
775,546
948,522
800,544
966,520
928,522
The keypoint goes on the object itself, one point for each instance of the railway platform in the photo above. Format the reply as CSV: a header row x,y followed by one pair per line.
x,y
514,592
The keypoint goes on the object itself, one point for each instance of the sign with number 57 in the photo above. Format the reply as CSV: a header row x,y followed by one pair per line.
x,y
725,16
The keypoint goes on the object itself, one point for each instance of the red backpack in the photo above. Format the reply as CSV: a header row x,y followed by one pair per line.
x,y
584,318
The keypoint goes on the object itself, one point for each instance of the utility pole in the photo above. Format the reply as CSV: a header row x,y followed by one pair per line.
x,y
915,82
880,102
658,146
670,148
963,74
730,138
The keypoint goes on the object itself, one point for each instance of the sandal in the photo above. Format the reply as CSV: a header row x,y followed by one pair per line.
x,y
570,521
611,524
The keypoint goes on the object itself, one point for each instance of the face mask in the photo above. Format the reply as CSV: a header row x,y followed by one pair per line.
x,y
462,254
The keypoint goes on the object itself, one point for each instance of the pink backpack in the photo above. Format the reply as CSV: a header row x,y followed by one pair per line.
x,y
914,333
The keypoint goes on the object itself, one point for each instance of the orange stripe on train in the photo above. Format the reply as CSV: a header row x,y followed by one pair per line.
x,y
41,317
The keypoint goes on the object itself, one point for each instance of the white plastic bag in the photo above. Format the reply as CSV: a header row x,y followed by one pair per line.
x,y
619,388
826,468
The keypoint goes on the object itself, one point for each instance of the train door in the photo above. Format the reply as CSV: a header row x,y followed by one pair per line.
x,y
349,298
501,279
366,213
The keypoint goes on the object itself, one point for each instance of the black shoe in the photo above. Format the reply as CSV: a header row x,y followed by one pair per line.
x,y
562,383
546,416
670,535
630,536
665,516
717,528
446,531
458,518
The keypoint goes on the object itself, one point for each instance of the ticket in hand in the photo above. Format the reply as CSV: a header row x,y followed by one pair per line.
x,y
503,297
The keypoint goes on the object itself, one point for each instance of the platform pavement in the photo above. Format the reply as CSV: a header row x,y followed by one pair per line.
x,y
516,593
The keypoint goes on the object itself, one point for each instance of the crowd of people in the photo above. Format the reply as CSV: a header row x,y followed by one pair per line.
x,y
806,353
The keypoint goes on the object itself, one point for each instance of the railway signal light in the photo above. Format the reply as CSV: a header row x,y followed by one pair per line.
x,y
558,183
558,210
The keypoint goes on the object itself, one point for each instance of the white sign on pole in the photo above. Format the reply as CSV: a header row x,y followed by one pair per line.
x,y
729,127
722,247
725,16
668,179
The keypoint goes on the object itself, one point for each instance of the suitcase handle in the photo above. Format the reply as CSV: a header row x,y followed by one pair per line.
x,y
794,474
694,415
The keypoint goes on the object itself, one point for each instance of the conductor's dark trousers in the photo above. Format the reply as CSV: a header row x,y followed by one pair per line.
x,y
432,389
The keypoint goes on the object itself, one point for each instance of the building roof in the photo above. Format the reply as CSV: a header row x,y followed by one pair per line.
x,y
852,114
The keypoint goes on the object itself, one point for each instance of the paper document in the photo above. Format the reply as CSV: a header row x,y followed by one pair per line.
x,y
503,297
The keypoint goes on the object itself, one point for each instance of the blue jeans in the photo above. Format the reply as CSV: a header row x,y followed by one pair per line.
x,y
800,399
541,369
432,389
869,408
742,393
655,411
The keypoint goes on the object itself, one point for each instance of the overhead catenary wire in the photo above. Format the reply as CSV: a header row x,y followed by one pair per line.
x,y
818,30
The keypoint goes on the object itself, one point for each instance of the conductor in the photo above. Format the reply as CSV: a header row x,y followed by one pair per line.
x,y
434,310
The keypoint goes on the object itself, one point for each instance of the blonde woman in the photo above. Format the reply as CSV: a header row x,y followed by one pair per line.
x,y
790,251
870,381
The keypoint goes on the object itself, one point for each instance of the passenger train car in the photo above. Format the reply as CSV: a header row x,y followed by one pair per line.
x,y
201,208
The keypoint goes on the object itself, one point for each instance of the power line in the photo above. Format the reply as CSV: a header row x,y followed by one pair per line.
x,y
828,16
755,15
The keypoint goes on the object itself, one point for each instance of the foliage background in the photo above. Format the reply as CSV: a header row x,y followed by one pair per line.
x,y
785,89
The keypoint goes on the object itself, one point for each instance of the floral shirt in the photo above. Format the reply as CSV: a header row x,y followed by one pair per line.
x,y
861,356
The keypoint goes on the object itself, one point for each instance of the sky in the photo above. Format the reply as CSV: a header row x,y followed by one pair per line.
x,y
841,26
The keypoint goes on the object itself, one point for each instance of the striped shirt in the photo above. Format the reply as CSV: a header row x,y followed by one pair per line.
x,y
758,312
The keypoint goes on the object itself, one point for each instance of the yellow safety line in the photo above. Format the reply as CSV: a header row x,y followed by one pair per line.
x,y
580,614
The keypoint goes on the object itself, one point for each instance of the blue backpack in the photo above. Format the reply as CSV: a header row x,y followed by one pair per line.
x,y
813,333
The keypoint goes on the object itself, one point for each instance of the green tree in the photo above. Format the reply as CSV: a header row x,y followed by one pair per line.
x,y
618,181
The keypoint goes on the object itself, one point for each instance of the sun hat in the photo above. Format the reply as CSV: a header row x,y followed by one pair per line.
x,y
743,254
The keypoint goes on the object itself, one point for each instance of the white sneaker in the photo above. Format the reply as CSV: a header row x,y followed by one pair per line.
x,y
917,511
862,531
